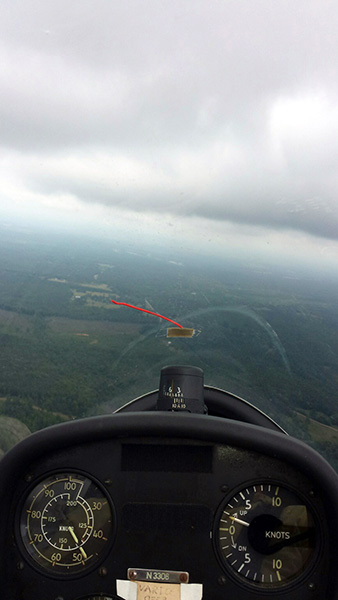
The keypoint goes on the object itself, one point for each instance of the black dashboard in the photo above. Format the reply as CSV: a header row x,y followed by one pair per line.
x,y
146,504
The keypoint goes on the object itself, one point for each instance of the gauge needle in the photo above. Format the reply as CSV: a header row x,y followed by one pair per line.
x,y
240,521
72,533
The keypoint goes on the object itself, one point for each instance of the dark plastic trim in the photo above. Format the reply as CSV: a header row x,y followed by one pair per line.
x,y
17,462
155,424
219,404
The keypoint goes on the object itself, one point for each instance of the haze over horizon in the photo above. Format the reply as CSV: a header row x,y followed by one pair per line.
x,y
186,123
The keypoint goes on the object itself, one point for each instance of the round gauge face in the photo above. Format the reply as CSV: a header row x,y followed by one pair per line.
x,y
66,523
267,535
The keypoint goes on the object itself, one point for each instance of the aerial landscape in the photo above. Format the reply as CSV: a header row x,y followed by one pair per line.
x,y
67,352
182,159
168,220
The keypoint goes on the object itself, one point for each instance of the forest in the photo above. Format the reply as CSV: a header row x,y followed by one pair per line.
x,y
67,352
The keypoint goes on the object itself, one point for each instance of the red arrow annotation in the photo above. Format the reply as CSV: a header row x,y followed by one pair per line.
x,y
146,311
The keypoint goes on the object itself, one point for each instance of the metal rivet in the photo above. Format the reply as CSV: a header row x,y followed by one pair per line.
x,y
132,574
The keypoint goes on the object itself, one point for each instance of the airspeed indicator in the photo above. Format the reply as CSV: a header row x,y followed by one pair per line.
x,y
66,523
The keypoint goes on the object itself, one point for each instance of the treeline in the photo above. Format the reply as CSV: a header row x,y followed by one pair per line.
x,y
59,372
24,410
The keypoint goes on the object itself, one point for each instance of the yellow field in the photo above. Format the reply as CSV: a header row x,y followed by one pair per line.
x,y
318,431
92,294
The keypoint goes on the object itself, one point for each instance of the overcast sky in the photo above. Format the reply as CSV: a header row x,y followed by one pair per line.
x,y
210,116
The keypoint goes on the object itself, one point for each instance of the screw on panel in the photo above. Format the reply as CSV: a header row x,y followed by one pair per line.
x,y
132,574
28,477
312,586
183,578
108,481
20,565
103,571
224,488
222,580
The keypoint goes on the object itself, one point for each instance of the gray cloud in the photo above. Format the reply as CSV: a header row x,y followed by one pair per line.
x,y
225,110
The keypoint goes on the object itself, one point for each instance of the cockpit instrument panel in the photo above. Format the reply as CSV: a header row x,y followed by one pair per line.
x,y
245,512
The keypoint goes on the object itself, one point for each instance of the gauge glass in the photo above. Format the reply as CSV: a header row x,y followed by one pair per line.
x,y
267,535
66,523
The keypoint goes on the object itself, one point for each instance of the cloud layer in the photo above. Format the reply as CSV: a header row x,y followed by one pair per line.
x,y
226,111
